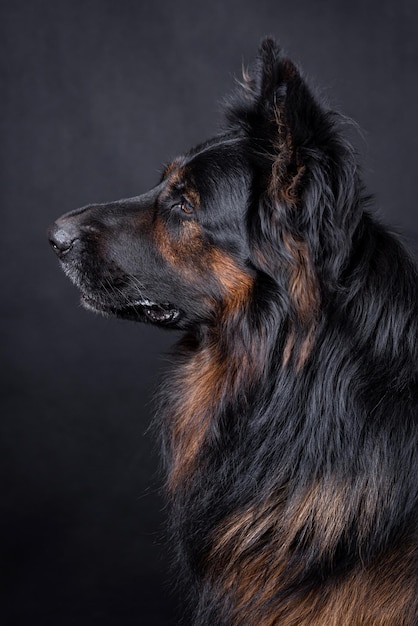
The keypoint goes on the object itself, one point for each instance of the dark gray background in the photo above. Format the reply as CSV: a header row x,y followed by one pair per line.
x,y
96,95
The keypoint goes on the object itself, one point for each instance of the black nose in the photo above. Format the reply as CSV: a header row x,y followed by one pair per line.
x,y
62,236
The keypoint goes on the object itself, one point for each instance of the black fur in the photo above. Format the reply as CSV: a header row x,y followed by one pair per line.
x,y
289,418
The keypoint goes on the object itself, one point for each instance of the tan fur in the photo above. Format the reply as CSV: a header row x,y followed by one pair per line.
x,y
180,251
208,375
250,562
236,284
304,294
171,168
202,379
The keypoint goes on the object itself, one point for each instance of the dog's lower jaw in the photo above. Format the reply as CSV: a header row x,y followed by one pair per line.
x,y
160,313
138,310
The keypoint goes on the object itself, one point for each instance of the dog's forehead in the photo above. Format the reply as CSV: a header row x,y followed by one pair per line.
x,y
218,162
218,145
219,151
219,166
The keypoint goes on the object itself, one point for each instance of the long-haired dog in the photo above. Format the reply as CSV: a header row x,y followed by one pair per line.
x,y
289,418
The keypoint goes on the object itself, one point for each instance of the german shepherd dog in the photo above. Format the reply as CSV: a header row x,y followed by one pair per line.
x,y
289,418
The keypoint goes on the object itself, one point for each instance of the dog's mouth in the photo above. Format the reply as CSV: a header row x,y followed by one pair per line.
x,y
163,313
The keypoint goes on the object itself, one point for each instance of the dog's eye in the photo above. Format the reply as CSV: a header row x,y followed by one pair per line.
x,y
185,206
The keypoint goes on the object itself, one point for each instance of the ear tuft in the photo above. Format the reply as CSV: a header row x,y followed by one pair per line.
x,y
263,90
269,63
267,78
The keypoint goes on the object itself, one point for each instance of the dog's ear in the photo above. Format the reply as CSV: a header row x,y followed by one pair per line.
x,y
306,194
269,90
280,117
307,178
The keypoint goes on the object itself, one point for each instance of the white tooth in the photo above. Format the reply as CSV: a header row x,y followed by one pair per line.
x,y
143,302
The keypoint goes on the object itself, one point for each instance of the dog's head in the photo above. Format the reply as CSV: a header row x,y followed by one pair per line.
x,y
273,200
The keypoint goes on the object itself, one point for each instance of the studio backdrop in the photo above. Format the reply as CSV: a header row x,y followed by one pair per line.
x,y
97,96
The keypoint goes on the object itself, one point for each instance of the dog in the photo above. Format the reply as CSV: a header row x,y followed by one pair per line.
x,y
289,418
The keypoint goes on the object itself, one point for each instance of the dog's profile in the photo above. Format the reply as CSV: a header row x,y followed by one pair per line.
x,y
289,418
